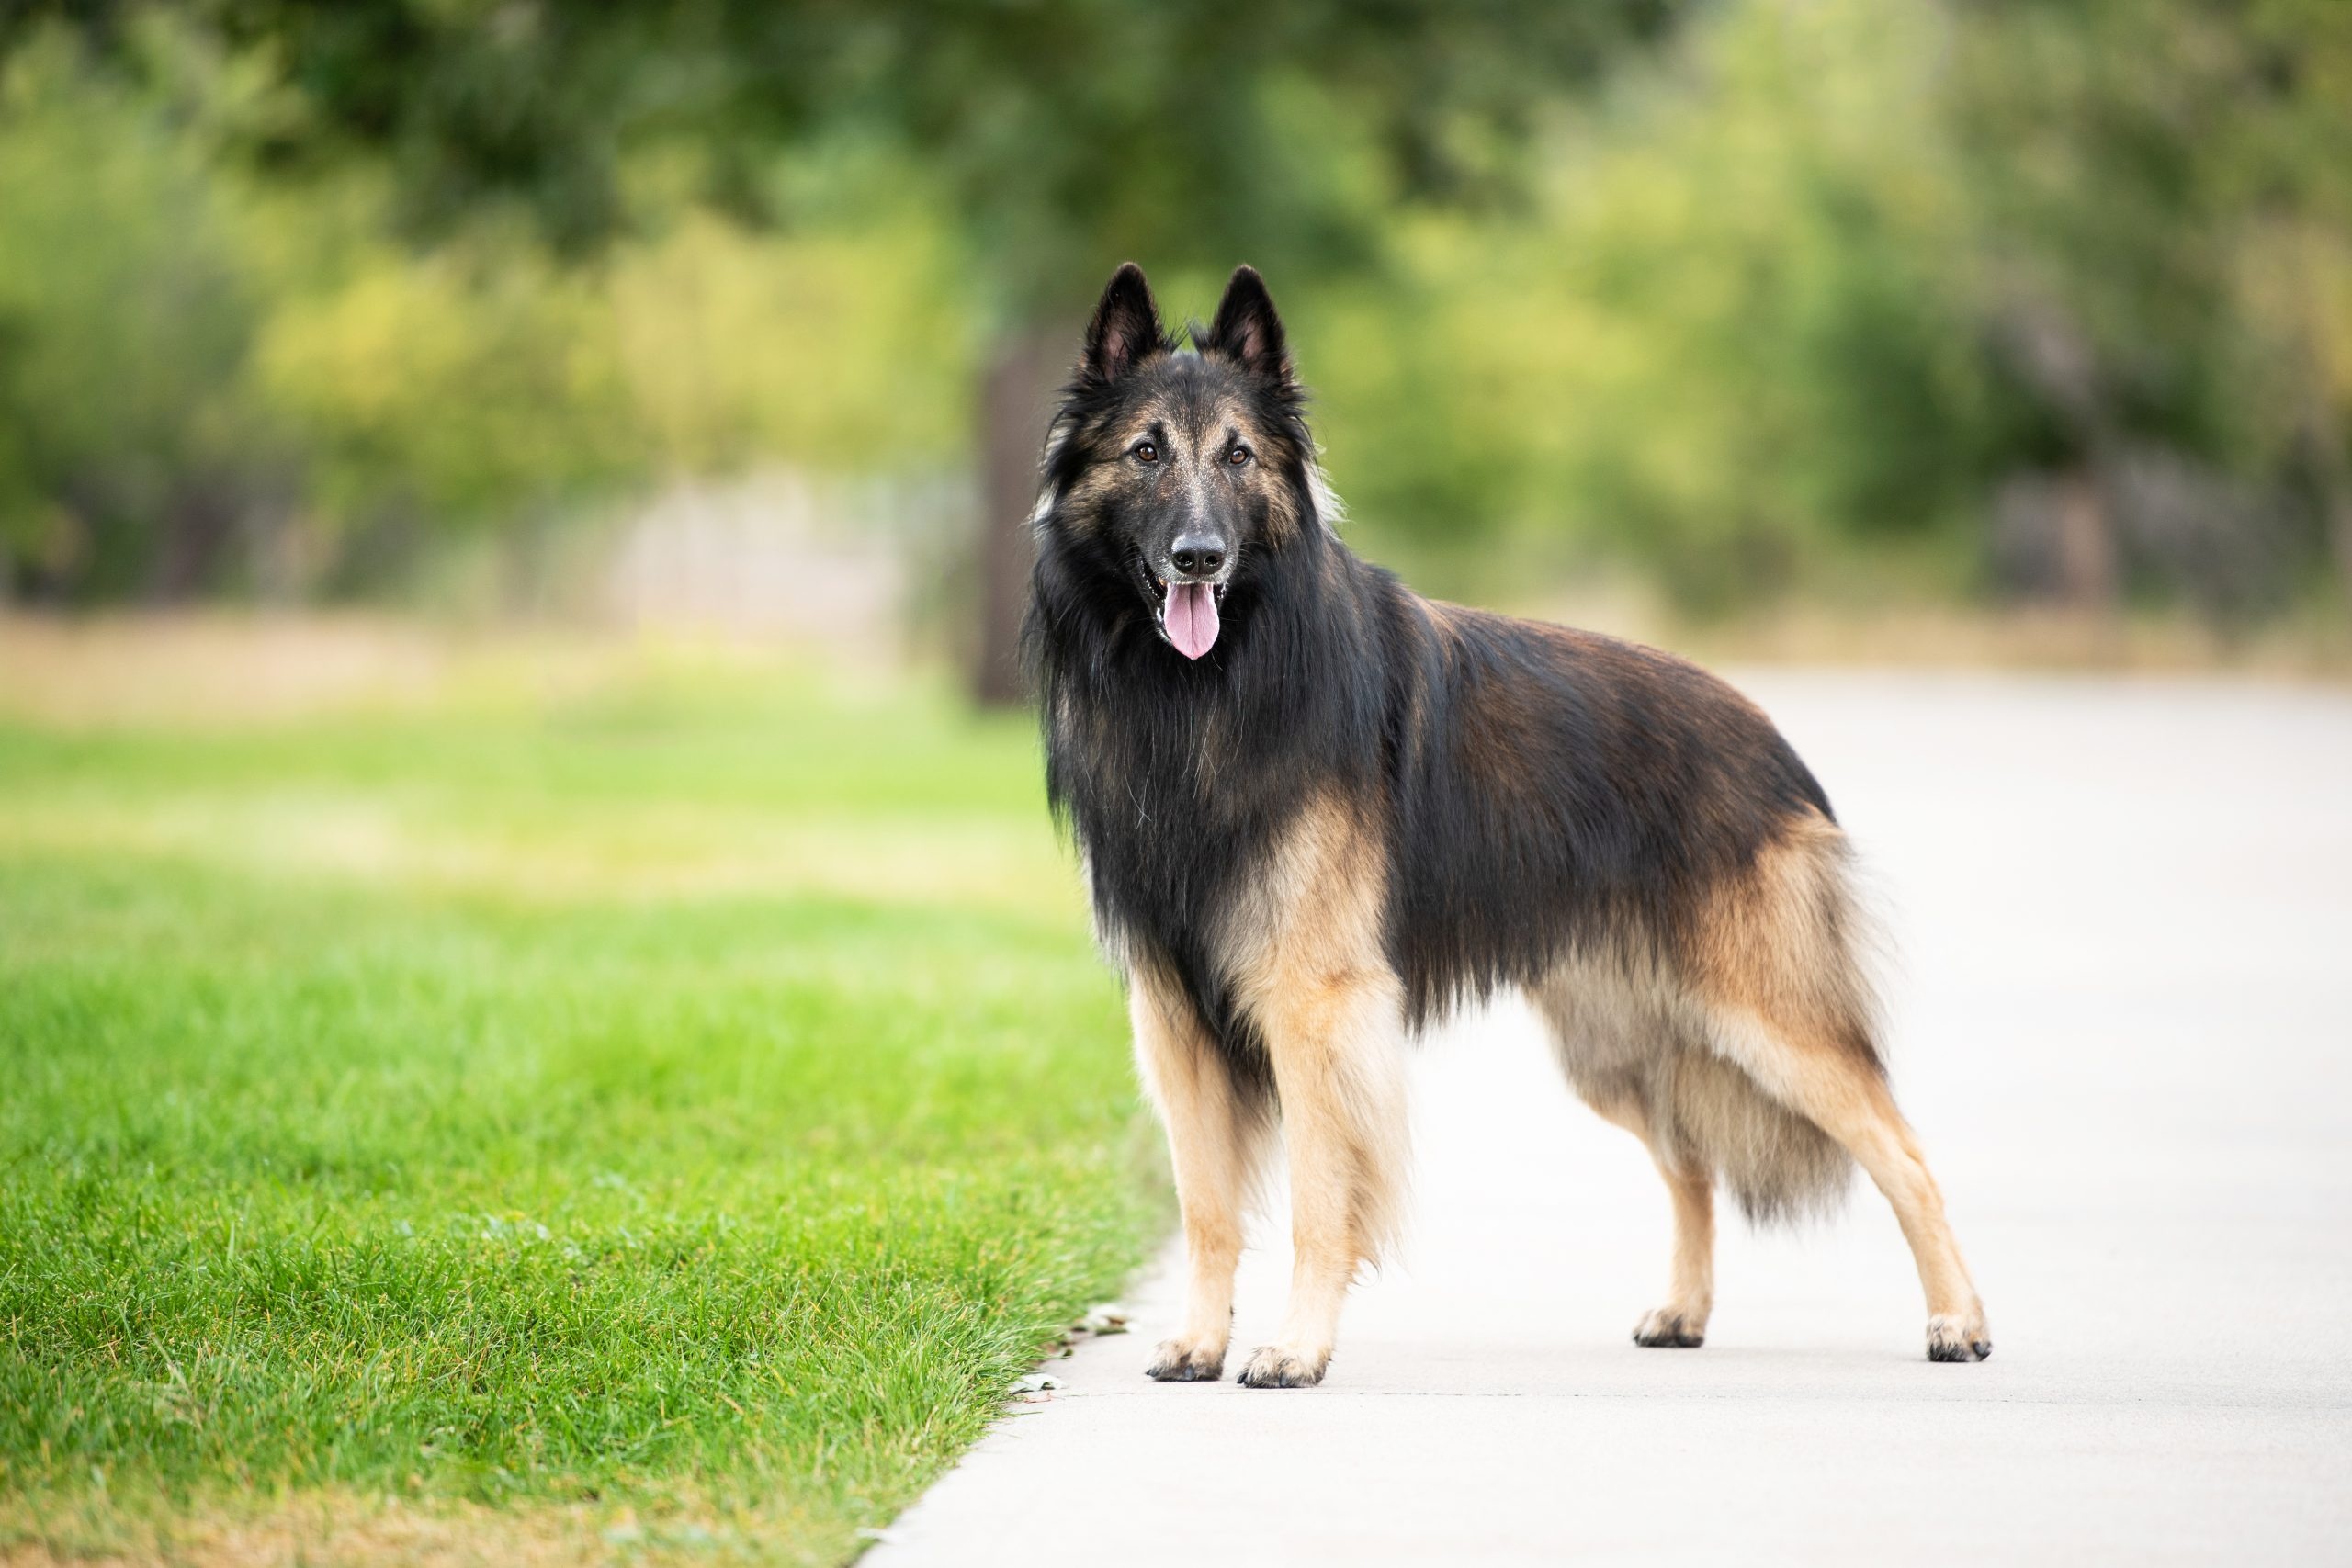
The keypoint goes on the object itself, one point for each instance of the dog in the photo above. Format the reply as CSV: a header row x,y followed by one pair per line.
x,y
1317,811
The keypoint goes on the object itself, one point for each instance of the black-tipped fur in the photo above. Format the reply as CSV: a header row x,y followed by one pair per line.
x,y
1318,810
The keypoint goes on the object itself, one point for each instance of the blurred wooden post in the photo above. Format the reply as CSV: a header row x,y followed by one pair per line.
x,y
1017,391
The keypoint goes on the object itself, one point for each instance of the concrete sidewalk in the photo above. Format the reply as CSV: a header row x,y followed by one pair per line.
x,y
2123,1024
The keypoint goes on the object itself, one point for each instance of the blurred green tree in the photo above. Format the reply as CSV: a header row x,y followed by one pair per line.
x,y
1062,134
125,304
2163,198
2048,297
212,383
2054,297
1731,344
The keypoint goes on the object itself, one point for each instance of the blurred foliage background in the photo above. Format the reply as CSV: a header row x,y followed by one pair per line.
x,y
1747,301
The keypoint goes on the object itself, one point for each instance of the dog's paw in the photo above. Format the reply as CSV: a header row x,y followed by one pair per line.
x,y
1275,1365
1181,1360
1670,1328
1958,1336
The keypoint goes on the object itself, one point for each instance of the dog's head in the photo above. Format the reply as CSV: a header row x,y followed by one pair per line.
x,y
1178,475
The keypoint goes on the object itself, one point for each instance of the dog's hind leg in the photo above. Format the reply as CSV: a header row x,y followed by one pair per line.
x,y
1681,1322
1216,1127
1616,1040
1785,1000
1844,1092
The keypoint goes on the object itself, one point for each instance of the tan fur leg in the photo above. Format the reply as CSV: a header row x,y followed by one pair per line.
x,y
1311,969
1681,1322
1848,1098
1338,1061
1212,1138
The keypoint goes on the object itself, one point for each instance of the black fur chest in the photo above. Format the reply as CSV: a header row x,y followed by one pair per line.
x,y
1172,804
1178,776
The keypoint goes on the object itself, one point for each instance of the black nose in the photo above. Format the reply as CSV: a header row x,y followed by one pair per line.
x,y
1197,555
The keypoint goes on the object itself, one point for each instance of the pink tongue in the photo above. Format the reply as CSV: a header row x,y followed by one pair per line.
x,y
1192,618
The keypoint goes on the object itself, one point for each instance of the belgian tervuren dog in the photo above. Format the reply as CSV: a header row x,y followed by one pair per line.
x,y
1317,811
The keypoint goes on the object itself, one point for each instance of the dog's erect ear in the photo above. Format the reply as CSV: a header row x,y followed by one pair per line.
x,y
1246,331
1125,330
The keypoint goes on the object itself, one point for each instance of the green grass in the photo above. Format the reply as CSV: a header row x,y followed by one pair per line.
x,y
662,1122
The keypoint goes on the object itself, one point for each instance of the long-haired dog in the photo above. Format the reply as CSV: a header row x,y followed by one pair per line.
x,y
1318,810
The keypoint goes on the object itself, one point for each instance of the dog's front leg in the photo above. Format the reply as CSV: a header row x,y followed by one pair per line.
x,y
1214,1129
1336,1043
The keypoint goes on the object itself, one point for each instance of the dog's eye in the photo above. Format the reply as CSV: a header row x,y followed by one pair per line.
x,y
1237,454
1145,452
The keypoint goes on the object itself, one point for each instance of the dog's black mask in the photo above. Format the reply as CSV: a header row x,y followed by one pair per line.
x,y
1176,472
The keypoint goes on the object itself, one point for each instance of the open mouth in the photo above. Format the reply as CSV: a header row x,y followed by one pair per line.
x,y
1187,613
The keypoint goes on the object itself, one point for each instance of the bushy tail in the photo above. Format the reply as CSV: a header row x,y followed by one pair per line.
x,y
1786,975
1780,1166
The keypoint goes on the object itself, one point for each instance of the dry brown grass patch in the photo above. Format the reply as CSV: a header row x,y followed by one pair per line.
x,y
340,1527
